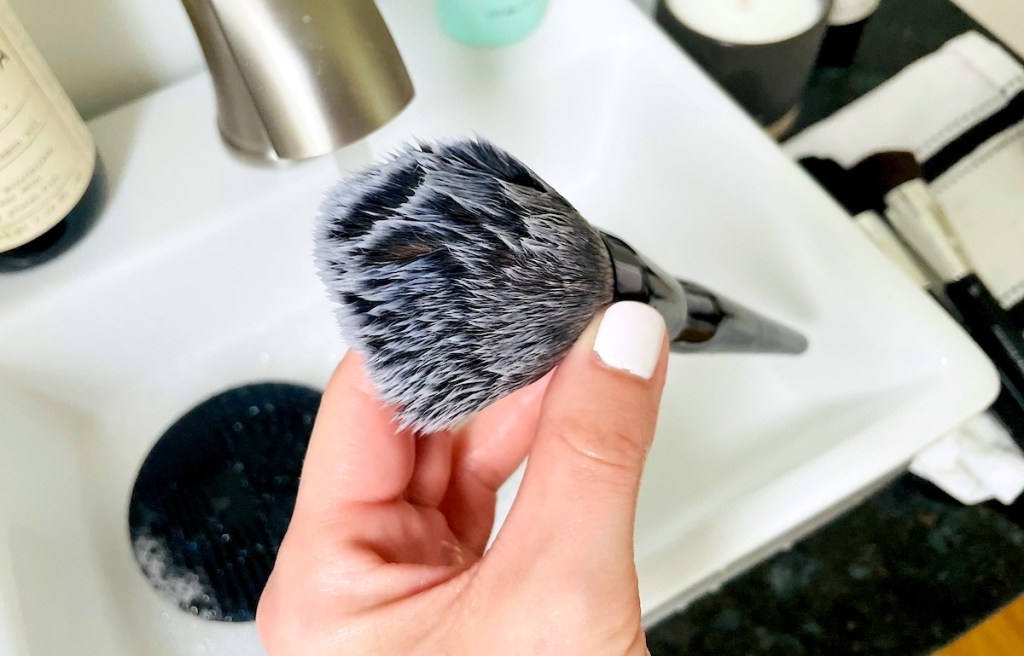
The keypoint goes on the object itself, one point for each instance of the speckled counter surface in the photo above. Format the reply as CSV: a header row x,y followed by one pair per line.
x,y
909,569
900,32
904,573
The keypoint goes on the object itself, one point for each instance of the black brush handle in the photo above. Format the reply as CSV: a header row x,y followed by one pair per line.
x,y
697,319
991,327
716,324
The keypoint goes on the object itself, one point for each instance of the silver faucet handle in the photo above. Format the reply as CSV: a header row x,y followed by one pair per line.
x,y
299,78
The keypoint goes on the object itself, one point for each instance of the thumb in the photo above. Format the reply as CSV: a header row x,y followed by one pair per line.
x,y
579,493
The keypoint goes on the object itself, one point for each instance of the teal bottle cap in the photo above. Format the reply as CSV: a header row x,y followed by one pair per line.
x,y
490,23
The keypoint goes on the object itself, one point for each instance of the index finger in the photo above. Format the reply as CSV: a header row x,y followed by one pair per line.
x,y
356,454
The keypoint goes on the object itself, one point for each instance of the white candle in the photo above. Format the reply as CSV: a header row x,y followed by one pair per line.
x,y
748,21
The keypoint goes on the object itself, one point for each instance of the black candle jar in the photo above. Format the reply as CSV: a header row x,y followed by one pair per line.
x,y
767,79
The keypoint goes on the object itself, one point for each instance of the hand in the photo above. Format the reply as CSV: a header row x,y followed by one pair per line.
x,y
385,551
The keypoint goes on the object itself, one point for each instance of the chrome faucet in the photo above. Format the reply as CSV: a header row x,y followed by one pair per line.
x,y
299,78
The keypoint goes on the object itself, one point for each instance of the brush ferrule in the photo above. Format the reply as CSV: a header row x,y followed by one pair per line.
x,y
639,279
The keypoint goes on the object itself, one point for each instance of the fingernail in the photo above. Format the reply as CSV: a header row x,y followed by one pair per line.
x,y
630,337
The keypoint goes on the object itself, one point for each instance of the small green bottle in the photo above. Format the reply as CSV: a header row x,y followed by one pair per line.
x,y
490,22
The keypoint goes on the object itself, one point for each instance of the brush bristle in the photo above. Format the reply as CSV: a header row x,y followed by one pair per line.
x,y
459,274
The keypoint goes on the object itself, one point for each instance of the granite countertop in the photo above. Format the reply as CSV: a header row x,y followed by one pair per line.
x,y
904,573
909,569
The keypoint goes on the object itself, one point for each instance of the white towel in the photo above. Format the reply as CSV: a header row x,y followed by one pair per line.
x,y
922,108
974,463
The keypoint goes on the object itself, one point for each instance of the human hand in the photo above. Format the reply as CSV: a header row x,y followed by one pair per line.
x,y
385,551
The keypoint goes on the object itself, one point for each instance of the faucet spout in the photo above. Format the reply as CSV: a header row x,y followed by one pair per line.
x,y
296,79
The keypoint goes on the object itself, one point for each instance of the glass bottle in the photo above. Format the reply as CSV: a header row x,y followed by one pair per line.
x,y
52,182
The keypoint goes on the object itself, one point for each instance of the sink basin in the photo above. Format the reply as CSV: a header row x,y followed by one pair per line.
x,y
199,278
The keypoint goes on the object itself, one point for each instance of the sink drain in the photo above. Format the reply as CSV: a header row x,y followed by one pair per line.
x,y
213,499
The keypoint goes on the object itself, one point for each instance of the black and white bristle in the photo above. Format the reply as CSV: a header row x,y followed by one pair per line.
x,y
459,274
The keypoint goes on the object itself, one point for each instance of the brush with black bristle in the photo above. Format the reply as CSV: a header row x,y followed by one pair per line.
x,y
462,277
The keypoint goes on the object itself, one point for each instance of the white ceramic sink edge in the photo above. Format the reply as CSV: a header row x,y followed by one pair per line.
x,y
199,278
802,501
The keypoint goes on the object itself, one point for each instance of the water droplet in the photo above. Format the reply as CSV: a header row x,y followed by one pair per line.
x,y
268,407
225,537
254,410
238,467
237,427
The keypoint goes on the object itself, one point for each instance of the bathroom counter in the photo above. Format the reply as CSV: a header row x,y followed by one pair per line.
x,y
901,32
907,570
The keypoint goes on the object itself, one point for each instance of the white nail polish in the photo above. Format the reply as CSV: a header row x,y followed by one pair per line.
x,y
630,337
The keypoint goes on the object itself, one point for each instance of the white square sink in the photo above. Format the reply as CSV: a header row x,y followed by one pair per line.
x,y
199,278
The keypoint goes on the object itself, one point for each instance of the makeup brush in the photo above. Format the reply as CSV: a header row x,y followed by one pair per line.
x,y
890,203
867,209
462,277
919,219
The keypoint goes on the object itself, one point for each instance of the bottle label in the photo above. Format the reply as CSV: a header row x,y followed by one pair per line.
x,y
47,155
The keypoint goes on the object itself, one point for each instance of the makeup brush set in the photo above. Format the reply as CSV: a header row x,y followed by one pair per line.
x,y
929,167
462,276
887,195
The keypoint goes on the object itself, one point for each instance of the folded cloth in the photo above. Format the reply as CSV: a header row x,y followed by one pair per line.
x,y
975,463
960,110
922,108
